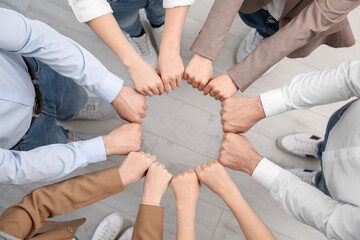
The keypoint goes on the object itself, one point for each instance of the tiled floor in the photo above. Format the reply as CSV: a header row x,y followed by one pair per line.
x,y
183,129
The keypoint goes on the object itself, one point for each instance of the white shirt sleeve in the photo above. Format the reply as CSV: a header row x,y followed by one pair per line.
x,y
315,88
177,3
308,204
86,10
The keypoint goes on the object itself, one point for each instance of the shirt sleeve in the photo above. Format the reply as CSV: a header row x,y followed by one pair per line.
x,y
31,38
86,10
315,88
49,162
177,3
308,204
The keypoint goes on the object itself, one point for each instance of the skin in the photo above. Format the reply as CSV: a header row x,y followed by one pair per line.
x,y
133,168
198,72
221,87
130,105
239,114
186,188
146,80
215,176
156,183
124,139
237,153
171,66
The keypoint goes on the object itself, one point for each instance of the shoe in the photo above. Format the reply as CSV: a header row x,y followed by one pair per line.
x,y
74,136
299,144
127,234
95,109
251,41
144,48
109,227
305,175
157,33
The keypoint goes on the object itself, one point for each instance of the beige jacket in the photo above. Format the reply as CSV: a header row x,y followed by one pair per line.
x,y
304,25
27,220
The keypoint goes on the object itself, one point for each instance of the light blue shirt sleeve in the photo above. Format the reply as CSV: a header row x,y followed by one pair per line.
x,y
49,162
31,38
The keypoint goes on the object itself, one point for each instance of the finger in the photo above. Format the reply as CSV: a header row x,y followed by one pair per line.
x,y
198,168
207,89
190,80
153,158
155,90
173,84
222,111
167,87
212,93
161,88
185,76
148,155
179,82
217,96
148,93
201,86
195,84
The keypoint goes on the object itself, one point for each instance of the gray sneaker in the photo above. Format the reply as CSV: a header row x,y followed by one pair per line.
x,y
74,136
95,109
144,48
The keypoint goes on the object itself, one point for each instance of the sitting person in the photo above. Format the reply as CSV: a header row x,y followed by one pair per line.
x,y
27,220
333,205
42,71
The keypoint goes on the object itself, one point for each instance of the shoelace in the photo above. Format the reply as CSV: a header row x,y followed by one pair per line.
x,y
90,107
305,146
305,177
142,45
257,40
107,233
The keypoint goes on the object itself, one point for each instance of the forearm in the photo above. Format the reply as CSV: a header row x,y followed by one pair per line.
x,y
185,222
149,223
26,218
251,225
108,30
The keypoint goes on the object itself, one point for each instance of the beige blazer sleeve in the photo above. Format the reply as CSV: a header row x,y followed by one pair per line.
x,y
149,223
311,22
24,220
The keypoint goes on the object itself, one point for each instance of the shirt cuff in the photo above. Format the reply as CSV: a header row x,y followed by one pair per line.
x,y
109,88
266,172
88,10
94,150
150,204
273,102
177,3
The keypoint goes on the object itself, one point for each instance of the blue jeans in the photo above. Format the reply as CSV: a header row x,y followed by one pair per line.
x,y
319,179
62,99
126,13
264,23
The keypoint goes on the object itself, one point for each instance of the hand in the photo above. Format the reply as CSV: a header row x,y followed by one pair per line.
x,y
146,80
221,87
215,176
186,188
171,69
156,182
123,139
130,105
133,168
239,114
198,72
237,153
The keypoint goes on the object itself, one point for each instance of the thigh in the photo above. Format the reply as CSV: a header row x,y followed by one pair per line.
x,y
155,12
126,12
262,21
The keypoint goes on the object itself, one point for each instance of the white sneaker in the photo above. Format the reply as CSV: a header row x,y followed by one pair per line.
x,y
305,175
299,144
95,109
251,41
144,48
127,234
74,136
109,227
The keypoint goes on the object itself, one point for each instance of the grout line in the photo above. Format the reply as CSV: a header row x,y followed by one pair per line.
x,y
217,224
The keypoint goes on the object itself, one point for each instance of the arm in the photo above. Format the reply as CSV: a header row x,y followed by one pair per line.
x,y
150,218
318,17
171,67
215,176
26,218
57,160
309,205
186,188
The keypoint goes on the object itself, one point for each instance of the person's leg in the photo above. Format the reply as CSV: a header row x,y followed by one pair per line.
x,y
155,13
262,21
319,179
126,13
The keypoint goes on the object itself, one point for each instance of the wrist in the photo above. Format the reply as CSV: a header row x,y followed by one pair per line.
x,y
107,141
255,160
260,108
132,62
123,176
185,206
151,199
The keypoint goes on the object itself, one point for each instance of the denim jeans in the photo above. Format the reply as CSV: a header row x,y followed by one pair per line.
x,y
262,21
62,99
319,179
126,13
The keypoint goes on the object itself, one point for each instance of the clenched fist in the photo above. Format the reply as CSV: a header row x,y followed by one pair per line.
x,y
186,188
221,87
198,72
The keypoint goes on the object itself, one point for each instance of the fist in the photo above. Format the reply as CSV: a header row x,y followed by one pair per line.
x,y
239,114
130,105
215,176
123,139
221,87
198,72
237,153
133,168
156,183
186,188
